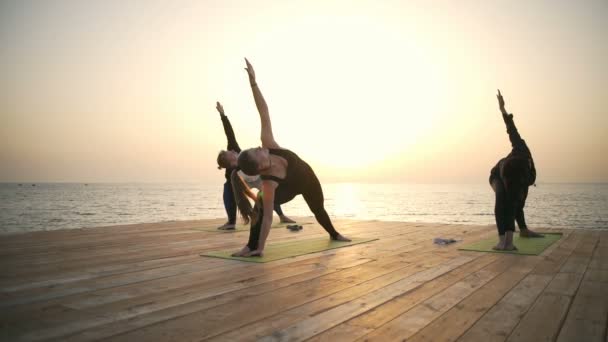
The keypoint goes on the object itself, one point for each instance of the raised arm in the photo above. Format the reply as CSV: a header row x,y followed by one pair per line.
x,y
233,145
266,135
516,141
506,117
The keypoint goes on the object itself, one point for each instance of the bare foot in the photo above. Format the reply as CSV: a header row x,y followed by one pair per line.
x,y
340,237
226,226
242,252
285,219
527,233
254,253
510,247
500,246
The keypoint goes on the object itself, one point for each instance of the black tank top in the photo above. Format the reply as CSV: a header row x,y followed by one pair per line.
x,y
297,169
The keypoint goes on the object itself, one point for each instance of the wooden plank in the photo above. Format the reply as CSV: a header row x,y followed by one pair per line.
x,y
133,278
55,289
218,319
544,320
398,329
141,248
320,322
187,280
161,289
499,321
365,323
587,319
457,320
266,326
409,324
588,315
122,261
210,300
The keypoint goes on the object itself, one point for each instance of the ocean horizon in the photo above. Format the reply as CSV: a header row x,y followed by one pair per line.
x,y
25,207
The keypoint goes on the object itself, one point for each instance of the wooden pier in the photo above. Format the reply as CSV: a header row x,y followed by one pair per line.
x,y
148,282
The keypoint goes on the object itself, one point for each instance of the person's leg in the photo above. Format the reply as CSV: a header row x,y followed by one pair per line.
x,y
510,208
254,232
230,206
314,198
282,217
499,211
521,221
256,227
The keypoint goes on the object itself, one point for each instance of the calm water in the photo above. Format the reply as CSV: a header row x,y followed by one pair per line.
x,y
53,206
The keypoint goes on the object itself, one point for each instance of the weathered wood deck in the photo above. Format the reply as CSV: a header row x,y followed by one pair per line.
x,y
148,283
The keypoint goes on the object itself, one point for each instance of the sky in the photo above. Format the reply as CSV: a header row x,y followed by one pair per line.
x,y
364,91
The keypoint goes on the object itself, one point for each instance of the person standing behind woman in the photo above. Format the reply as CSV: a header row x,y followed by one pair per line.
x,y
284,176
228,160
510,179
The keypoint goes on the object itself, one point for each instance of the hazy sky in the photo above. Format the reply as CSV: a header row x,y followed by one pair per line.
x,y
390,91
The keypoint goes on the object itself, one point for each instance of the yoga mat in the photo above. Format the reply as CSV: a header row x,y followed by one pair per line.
x,y
277,251
245,227
525,246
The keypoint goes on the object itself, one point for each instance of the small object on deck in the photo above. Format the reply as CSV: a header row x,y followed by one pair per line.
x,y
294,227
442,241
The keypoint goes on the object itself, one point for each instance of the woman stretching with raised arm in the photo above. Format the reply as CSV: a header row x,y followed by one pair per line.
x,y
510,179
284,176
228,160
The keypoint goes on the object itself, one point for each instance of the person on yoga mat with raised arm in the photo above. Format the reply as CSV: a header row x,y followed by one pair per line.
x,y
228,160
284,176
510,179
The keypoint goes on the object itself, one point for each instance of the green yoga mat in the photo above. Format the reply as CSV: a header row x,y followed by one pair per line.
x,y
525,246
277,251
245,227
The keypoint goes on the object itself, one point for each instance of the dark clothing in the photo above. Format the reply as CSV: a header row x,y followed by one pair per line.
x,y
296,179
507,208
300,180
519,149
232,145
504,208
229,201
519,212
278,210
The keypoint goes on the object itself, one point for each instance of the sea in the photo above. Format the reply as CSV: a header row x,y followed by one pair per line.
x,y
28,207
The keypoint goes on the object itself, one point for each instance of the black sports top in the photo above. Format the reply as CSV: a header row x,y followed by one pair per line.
x,y
297,171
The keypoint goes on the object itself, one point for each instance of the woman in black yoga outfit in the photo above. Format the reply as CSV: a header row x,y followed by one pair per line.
x,y
228,160
284,176
510,179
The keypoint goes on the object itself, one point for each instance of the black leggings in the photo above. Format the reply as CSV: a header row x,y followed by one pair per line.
x,y
313,195
506,209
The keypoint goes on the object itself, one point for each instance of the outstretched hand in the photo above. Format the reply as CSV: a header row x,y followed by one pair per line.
x,y
219,108
250,72
501,102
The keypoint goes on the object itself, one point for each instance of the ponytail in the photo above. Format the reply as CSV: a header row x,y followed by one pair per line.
x,y
239,188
